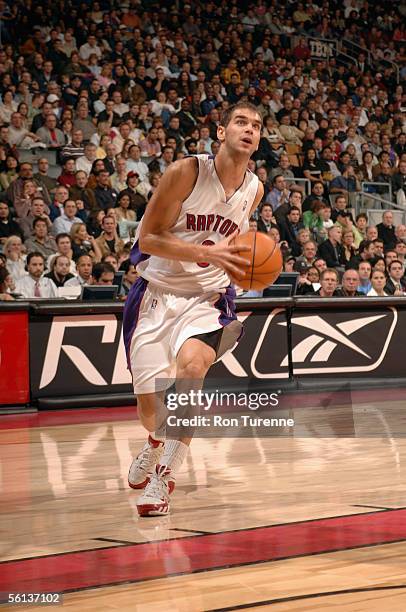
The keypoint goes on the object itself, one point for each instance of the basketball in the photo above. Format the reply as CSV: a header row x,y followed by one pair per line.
x,y
264,262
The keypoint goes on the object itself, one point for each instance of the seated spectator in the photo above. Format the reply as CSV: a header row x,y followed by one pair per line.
x,y
22,204
304,285
108,241
7,285
126,218
317,193
289,229
266,219
9,173
135,163
8,227
279,193
84,122
85,162
64,245
42,178
320,264
94,222
378,247
309,252
328,283
113,260
390,255
317,220
15,257
83,243
59,271
80,191
386,230
41,241
312,167
60,197
283,169
361,223
34,284
346,183
339,206
331,249
364,273
371,232
290,133
102,274
37,210
366,252
399,179
50,135
347,242
129,278
19,136
118,179
84,266
105,196
75,149
65,222
349,284
67,177
378,281
295,199
396,282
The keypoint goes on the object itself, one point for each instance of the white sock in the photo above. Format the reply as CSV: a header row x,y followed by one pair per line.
x,y
174,454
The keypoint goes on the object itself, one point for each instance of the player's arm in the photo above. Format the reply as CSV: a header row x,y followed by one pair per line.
x,y
258,199
162,213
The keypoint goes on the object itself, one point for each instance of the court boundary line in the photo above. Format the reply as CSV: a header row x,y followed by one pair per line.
x,y
200,535
222,567
268,602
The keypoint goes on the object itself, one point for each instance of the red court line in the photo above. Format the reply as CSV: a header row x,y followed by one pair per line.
x,y
134,563
72,416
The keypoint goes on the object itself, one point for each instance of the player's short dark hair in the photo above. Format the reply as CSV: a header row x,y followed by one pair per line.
x,y
228,113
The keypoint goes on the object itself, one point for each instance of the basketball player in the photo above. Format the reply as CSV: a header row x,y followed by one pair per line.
x,y
179,316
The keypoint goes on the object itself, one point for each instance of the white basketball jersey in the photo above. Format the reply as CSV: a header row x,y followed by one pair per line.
x,y
206,217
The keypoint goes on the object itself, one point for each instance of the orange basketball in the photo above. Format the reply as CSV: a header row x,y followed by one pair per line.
x,y
264,261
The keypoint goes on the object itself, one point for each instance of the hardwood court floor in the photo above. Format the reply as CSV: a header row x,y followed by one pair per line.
x,y
276,523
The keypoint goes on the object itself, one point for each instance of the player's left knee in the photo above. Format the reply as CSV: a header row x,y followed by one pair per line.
x,y
193,369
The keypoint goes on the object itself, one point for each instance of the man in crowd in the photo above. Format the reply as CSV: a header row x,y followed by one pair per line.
x,y
328,282
349,284
63,223
34,284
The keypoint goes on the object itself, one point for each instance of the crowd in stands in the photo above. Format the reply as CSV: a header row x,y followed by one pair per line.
x,y
97,99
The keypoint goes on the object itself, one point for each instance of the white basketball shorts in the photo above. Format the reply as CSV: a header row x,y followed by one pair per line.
x,y
156,323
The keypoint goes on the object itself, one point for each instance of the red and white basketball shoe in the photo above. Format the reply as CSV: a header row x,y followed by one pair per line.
x,y
143,465
155,499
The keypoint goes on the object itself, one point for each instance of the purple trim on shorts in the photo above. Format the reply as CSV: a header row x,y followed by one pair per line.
x,y
225,304
136,256
131,313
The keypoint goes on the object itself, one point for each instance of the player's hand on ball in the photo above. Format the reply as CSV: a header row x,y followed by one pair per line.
x,y
224,255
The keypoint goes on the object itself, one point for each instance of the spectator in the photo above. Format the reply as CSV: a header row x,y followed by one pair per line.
x,y
8,227
371,233
364,273
386,230
129,278
83,243
81,191
37,210
9,173
7,285
50,135
60,196
108,241
331,249
304,285
317,193
366,252
266,220
64,246
349,284
85,162
396,283
67,177
64,223
328,283
105,196
35,284
378,280
59,271
41,242
84,268
279,193
102,274
42,178
15,258
309,252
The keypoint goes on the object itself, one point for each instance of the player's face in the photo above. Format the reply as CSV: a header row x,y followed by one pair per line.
x,y
243,132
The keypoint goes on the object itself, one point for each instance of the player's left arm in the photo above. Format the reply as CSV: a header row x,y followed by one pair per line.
x,y
258,199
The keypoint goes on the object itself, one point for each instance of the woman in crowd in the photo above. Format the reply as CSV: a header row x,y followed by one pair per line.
x,y
347,242
10,173
378,280
84,243
311,168
94,222
13,250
